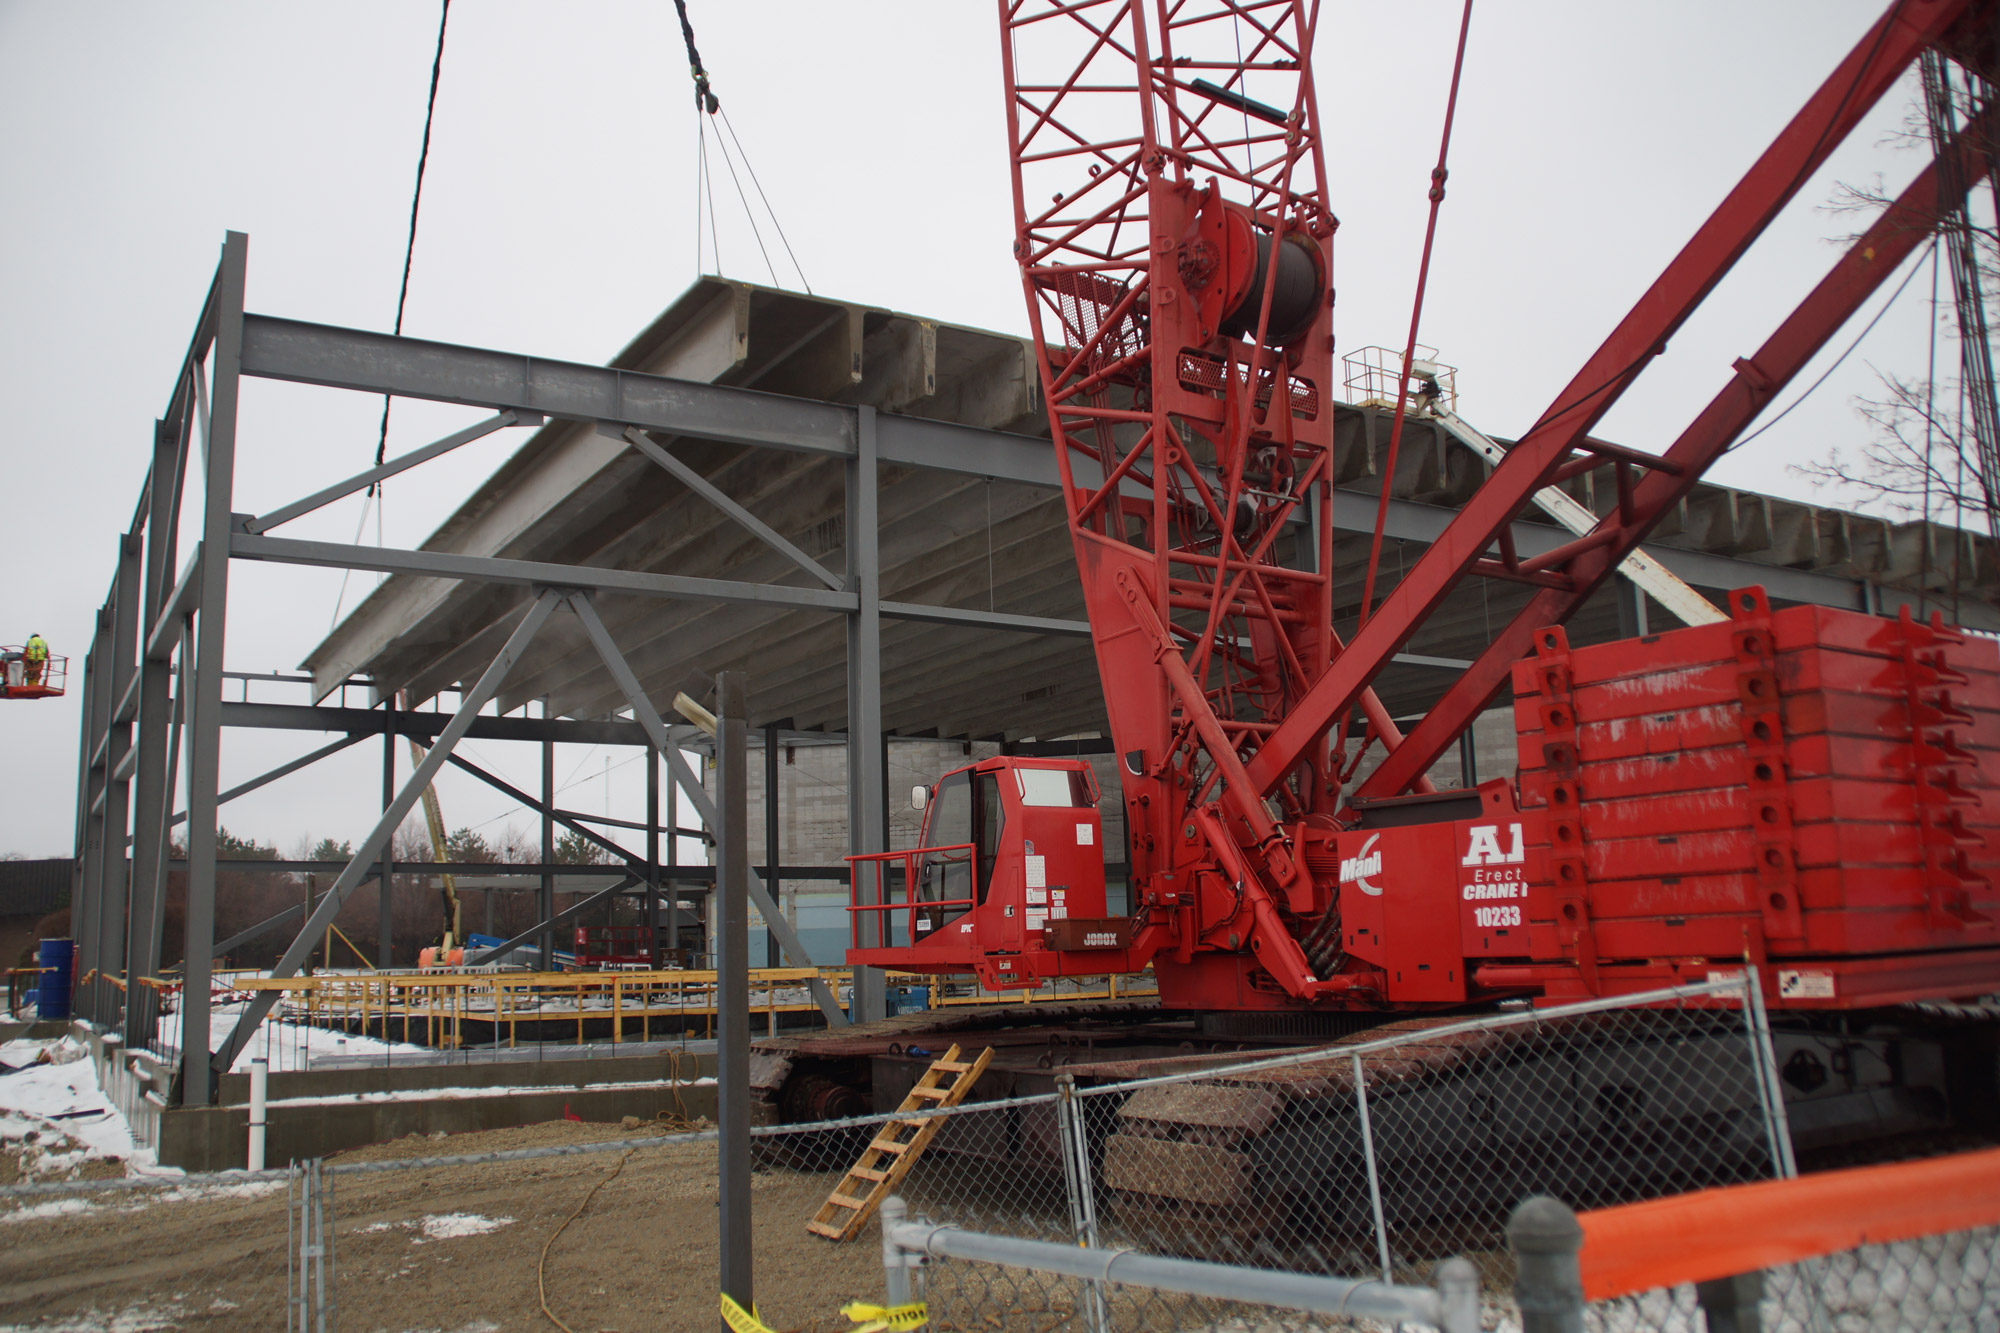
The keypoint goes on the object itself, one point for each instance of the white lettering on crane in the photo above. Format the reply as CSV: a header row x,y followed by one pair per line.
x,y
1484,849
1356,869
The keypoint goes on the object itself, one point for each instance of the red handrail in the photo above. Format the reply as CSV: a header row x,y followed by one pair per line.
x,y
913,905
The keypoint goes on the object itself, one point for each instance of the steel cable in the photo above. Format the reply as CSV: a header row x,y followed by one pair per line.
x,y
416,202
1438,176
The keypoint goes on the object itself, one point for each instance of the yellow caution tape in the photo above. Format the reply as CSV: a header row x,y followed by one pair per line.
x,y
868,1318
742,1320
880,1318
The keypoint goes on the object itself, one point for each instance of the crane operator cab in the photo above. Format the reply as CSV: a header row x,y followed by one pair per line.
x,y
1007,873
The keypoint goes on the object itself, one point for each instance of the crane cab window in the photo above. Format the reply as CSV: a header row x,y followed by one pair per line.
x,y
959,814
1055,786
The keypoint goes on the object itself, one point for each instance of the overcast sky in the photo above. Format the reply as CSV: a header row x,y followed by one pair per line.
x,y
559,218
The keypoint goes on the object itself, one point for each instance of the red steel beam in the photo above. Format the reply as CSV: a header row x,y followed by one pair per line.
x,y
1901,227
1800,148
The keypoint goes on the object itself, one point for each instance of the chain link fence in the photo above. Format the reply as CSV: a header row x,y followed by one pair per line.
x,y
1377,1157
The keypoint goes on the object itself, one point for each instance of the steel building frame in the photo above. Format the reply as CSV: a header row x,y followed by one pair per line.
x,y
153,680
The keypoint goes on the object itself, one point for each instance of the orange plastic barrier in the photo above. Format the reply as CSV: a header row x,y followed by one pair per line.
x,y
1719,1232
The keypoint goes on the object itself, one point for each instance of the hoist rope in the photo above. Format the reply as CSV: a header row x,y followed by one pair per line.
x,y
708,104
372,496
416,201
782,238
1438,175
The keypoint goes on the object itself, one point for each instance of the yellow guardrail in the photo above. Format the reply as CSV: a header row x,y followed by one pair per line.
x,y
434,1007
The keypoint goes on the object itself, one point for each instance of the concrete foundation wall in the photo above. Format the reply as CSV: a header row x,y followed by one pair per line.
x,y
235,1088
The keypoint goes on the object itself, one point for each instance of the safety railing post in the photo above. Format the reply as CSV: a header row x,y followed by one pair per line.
x,y
1374,1177
1457,1283
896,1261
260,1073
1547,1241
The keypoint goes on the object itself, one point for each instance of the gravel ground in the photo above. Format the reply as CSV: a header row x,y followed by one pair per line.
x,y
451,1249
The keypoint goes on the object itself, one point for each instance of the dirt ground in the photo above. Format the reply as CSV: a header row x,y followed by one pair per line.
x,y
410,1253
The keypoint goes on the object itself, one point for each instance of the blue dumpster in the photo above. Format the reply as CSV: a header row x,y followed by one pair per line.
x,y
58,960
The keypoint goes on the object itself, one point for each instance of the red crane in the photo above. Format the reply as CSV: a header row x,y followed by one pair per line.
x,y
1175,244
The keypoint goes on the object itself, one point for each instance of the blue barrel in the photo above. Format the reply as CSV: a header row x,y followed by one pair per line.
x,y
58,971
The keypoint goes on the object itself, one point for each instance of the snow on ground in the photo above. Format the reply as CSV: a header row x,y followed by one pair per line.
x,y
141,1318
432,1094
54,1116
445,1226
449,1226
288,1045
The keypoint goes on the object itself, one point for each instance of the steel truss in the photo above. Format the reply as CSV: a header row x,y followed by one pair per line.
x,y
154,676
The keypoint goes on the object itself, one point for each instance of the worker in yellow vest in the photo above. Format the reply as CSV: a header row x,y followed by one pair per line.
x,y
37,655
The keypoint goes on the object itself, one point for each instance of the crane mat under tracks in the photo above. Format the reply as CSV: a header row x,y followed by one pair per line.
x,y
890,1155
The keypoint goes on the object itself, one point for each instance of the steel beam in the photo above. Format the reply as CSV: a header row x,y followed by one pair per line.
x,y
196,1085
571,822
320,499
972,619
867,774
533,573
378,363
287,349
263,927
649,718
424,726
392,818
282,770
548,923
712,493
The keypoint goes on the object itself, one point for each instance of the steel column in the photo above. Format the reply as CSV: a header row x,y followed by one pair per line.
x,y
196,1085
652,855
154,779
385,891
866,808
732,942
114,868
545,897
772,860
84,904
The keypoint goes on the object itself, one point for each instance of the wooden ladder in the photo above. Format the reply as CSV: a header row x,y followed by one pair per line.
x,y
890,1156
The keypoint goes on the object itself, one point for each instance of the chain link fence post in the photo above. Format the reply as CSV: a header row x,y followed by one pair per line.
x,y
1374,1176
1073,1144
310,1303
